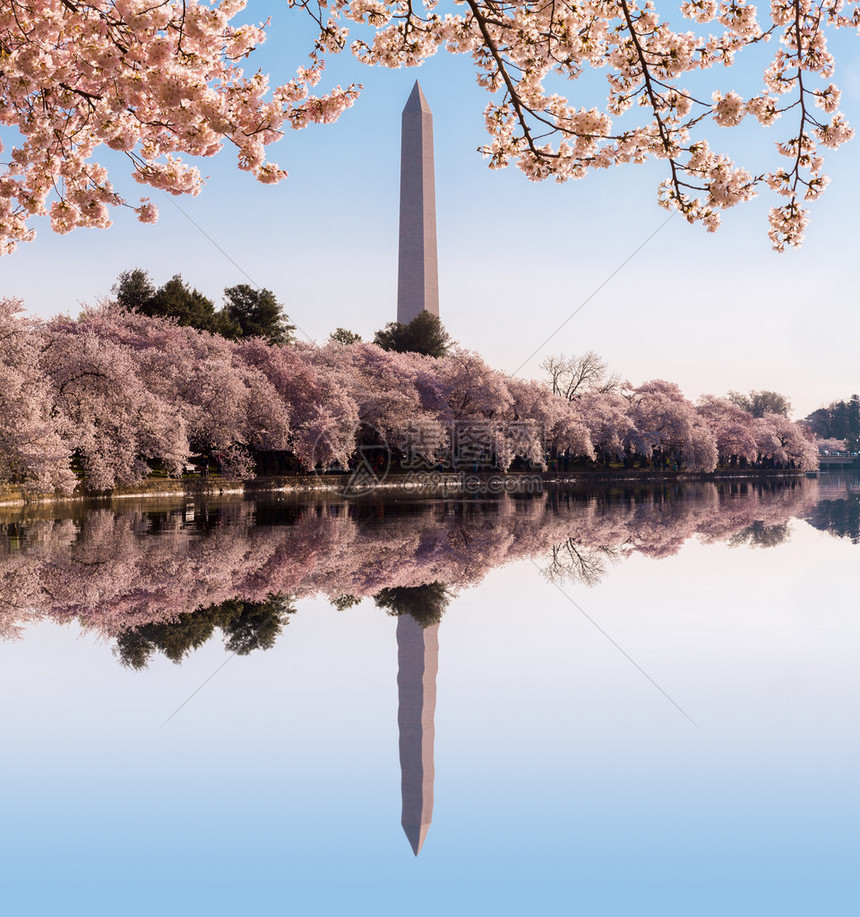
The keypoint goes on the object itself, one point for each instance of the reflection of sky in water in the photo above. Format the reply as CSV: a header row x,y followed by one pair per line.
x,y
565,782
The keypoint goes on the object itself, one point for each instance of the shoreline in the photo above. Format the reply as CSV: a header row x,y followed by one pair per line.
x,y
447,482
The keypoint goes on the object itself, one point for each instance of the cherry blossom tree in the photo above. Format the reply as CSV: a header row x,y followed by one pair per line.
x,y
386,387
658,106
540,422
323,417
108,417
122,392
134,388
670,427
156,82
471,389
831,445
162,83
732,428
611,427
32,451
783,444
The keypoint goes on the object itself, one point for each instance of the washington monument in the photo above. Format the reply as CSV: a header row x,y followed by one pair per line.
x,y
417,276
418,661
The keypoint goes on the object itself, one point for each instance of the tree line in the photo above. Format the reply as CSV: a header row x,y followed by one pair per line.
x,y
247,312
840,420
106,399
240,567
250,312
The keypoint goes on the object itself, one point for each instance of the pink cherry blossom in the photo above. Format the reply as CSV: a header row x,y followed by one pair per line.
x,y
107,571
163,85
32,451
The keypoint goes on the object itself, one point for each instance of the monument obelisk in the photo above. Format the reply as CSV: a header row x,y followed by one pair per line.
x,y
417,664
417,275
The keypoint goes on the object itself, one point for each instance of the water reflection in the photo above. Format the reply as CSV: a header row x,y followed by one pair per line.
x,y
837,510
245,626
166,577
417,665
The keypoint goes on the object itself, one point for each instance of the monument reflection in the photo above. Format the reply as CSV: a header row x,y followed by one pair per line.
x,y
417,665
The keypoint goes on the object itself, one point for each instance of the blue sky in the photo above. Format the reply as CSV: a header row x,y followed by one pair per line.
x,y
516,259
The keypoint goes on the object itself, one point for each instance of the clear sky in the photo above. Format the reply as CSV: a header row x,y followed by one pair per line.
x,y
516,259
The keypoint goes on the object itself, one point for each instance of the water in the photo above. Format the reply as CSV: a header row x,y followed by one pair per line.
x,y
645,703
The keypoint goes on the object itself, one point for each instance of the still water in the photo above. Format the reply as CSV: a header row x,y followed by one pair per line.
x,y
627,700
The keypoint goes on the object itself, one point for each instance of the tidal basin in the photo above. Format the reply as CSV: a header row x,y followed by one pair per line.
x,y
643,701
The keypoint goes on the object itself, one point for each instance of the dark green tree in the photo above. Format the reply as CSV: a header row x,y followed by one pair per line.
x,y
424,334
246,626
820,422
840,518
852,424
839,420
344,336
257,313
759,403
342,602
133,290
256,625
175,299
425,603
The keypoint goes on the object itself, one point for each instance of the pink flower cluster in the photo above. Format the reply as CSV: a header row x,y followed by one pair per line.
x,y
161,82
103,571
117,391
653,69
155,81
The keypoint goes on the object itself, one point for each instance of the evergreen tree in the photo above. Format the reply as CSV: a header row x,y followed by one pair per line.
x,y
344,336
257,313
426,604
134,290
839,420
175,299
246,626
852,424
247,313
424,334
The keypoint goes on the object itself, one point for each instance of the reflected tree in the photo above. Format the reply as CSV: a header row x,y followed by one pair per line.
x,y
342,602
572,562
103,569
426,603
760,535
840,518
245,626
